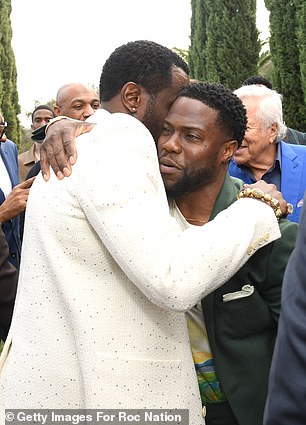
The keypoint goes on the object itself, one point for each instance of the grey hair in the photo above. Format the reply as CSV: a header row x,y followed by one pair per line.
x,y
270,107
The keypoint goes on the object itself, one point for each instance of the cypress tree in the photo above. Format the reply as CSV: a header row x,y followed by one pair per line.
x,y
226,47
285,40
8,75
300,6
198,38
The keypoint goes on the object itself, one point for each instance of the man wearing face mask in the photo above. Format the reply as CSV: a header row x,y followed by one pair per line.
x,y
73,100
41,115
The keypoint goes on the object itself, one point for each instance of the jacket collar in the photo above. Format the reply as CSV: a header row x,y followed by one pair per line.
x,y
227,194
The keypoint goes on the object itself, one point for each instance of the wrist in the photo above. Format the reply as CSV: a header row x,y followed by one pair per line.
x,y
259,195
59,118
4,213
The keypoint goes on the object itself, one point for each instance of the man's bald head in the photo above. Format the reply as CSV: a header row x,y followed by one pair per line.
x,y
76,100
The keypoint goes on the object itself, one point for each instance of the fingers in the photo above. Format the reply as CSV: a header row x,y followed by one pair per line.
x,y
271,189
84,127
16,200
59,156
27,183
59,148
265,187
14,204
53,154
44,163
71,153
70,145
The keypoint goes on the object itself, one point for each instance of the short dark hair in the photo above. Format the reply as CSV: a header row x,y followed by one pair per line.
x,y
42,107
144,62
232,114
257,79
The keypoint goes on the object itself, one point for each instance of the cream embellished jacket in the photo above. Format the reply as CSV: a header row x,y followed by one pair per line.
x,y
106,276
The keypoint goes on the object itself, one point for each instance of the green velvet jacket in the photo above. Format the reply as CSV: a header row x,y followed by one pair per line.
x,y
242,331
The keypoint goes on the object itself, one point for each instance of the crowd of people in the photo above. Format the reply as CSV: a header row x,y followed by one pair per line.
x,y
164,270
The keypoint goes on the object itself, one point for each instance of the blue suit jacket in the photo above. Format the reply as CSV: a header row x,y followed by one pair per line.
x,y
11,228
293,176
287,387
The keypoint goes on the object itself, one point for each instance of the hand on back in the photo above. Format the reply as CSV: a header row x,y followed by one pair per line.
x,y
58,149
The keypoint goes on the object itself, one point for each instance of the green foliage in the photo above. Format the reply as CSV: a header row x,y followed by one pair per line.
x,y
25,140
8,75
287,46
224,41
266,69
300,6
198,39
182,52
50,103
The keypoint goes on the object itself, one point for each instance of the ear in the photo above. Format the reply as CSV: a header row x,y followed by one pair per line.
x,y
57,110
228,151
273,132
131,96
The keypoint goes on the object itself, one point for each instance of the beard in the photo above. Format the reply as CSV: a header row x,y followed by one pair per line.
x,y
191,181
150,119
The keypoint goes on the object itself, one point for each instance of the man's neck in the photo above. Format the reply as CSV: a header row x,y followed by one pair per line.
x,y
36,151
114,105
197,206
263,163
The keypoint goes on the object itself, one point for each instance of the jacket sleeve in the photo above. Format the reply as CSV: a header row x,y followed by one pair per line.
x,y
279,256
120,189
8,285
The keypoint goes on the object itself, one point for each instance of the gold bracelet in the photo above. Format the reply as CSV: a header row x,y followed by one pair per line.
x,y
267,199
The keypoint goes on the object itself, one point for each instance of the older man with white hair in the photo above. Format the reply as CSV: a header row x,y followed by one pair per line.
x,y
263,155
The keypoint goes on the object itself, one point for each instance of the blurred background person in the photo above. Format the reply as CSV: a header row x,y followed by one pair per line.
x,y
73,100
9,178
263,155
41,115
291,136
287,388
76,100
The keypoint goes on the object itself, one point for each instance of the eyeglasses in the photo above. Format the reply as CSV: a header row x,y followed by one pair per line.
x,y
3,125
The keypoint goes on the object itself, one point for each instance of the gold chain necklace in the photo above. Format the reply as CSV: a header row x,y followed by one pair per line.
x,y
193,220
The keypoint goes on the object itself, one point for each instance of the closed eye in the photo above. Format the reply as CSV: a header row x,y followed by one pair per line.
x,y
166,130
78,106
192,137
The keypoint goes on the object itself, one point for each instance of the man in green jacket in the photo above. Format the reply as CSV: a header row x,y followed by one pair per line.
x,y
232,331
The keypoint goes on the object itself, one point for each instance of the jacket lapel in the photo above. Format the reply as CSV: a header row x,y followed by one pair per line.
x,y
227,194
291,174
6,157
226,197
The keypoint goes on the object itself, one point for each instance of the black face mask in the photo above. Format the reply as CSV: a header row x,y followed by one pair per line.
x,y
39,134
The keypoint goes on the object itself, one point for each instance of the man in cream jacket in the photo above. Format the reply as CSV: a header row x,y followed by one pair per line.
x,y
106,273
